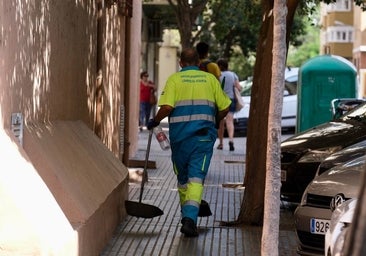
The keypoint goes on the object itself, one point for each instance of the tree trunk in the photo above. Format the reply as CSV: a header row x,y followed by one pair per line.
x,y
272,200
253,204
252,207
185,26
186,15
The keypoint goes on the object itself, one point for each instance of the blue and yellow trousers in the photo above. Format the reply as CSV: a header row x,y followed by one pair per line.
x,y
191,159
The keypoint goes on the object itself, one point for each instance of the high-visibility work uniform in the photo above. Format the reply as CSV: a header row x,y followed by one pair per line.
x,y
196,96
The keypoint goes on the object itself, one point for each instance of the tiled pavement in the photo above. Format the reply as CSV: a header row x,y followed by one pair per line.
x,y
161,235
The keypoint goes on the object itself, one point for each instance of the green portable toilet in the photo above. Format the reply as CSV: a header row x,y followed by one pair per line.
x,y
322,79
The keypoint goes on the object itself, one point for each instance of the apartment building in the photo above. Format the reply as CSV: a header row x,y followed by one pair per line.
x,y
343,33
359,47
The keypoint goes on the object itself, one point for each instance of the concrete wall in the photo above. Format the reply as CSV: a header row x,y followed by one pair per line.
x,y
134,77
168,64
67,62
48,64
49,59
168,56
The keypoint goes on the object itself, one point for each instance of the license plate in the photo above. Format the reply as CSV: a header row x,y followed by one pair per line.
x,y
319,226
283,175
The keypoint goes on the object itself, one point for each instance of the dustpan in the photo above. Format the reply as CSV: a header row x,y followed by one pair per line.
x,y
139,209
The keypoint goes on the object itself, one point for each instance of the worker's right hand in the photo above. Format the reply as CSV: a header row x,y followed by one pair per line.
x,y
151,124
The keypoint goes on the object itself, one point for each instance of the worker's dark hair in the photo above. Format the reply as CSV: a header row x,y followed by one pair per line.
x,y
202,49
189,57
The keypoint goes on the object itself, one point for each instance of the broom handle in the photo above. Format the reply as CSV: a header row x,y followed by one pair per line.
x,y
144,174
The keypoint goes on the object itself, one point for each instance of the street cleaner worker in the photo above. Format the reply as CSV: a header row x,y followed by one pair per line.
x,y
195,103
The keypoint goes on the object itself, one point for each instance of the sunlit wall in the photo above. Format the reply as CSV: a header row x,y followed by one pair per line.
x,y
49,64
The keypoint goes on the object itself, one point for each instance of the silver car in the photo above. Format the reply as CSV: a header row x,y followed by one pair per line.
x,y
351,152
312,216
339,227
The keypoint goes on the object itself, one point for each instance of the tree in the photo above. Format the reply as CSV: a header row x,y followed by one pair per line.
x,y
187,14
252,208
227,28
257,159
234,34
229,31
271,218
310,48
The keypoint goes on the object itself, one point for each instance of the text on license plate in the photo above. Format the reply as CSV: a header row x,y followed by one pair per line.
x,y
319,226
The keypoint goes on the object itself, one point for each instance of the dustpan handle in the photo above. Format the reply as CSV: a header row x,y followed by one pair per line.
x,y
144,174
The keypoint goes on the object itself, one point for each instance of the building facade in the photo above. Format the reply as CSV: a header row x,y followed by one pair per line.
x,y
69,83
343,34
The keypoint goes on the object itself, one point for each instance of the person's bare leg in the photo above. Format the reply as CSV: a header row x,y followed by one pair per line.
x,y
220,133
230,129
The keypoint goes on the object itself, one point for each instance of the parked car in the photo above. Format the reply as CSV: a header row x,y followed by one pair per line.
x,y
302,153
313,214
289,109
342,156
341,106
340,222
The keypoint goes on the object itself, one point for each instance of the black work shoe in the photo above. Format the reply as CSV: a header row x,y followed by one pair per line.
x,y
231,146
189,228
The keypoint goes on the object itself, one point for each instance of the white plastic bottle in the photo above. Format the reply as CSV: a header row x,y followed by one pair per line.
x,y
162,138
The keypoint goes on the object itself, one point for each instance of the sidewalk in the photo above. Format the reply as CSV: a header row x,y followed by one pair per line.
x,y
161,235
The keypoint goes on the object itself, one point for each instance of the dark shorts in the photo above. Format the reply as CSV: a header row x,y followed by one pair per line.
x,y
232,106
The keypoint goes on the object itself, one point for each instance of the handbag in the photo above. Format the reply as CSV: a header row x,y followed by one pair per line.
x,y
239,103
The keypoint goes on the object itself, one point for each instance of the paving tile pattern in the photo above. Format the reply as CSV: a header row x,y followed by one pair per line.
x,y
161,235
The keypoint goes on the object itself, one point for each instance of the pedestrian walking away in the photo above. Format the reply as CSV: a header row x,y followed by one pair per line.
x,y
205,63
147,89
194,103
229,80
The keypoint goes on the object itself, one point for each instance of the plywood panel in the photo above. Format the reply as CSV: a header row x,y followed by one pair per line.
x,y
79,170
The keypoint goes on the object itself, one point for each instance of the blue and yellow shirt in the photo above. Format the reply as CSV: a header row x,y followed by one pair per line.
x,y
195,96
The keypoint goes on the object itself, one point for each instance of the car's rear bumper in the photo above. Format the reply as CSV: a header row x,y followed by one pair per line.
x,y
295,177
241,125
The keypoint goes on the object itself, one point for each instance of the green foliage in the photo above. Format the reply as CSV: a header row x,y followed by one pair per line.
x,y
299,55
231,24
242,65
305,46
232,29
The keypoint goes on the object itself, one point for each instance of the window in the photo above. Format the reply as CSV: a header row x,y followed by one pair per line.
x,y
343,34
340,6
